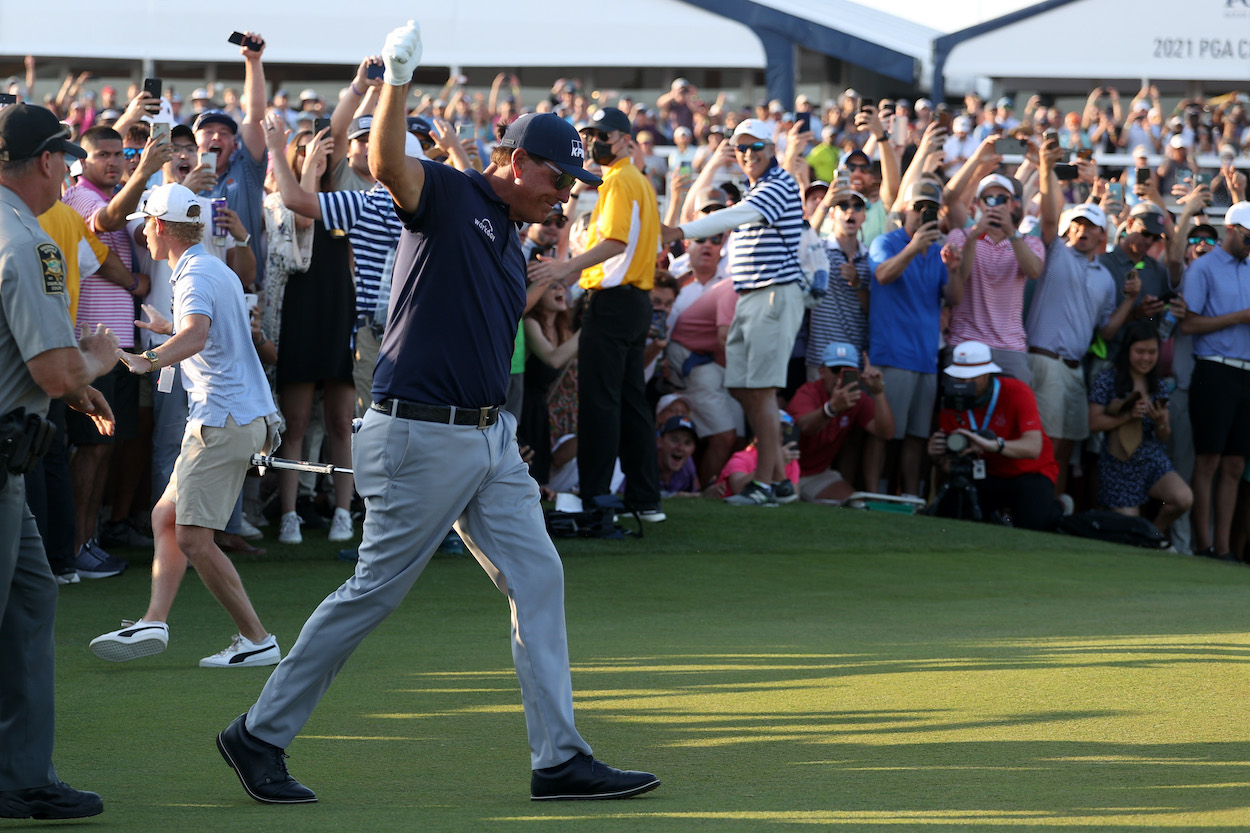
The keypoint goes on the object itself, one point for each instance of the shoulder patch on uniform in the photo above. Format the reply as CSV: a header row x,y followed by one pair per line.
x,y
53,264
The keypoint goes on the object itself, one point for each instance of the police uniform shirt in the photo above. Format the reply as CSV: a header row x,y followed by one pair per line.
x,y
34,306
458,294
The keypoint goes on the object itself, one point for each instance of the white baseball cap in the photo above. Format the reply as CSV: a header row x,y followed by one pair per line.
x,y
1086,210
972,359
172,203
997,180
1238,215
754,128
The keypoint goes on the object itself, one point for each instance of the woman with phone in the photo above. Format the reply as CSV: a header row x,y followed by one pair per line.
x,y
1130,403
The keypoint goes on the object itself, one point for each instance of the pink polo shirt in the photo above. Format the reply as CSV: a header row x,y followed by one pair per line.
x,y
992,308
101,302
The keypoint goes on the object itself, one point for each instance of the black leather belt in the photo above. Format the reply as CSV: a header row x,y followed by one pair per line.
x,y
1050,354
480,418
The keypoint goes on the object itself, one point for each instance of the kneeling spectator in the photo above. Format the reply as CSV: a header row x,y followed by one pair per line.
x,y
1013,468
1130,403
740,470
828,409
674,448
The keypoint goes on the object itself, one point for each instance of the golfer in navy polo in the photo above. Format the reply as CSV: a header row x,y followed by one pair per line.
x,y
436,449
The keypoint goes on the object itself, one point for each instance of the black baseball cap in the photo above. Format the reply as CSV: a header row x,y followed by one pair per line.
x,y
28,130
219,116
548,136
610,118
360,126
678,423
179,131
420,125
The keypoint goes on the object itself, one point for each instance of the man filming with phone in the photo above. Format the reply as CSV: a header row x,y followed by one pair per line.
x,y
239,149
993,420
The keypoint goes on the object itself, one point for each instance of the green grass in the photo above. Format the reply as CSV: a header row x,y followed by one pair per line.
x,y
797,667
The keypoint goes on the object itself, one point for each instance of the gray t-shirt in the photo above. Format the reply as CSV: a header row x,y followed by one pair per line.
x,y
1074,296
34,305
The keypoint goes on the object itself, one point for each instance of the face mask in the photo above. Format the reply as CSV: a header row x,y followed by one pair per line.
x,y
602,152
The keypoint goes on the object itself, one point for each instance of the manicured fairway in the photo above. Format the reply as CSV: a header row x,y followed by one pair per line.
x,y
782,668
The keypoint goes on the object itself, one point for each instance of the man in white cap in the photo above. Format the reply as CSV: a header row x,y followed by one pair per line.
x,y
1217,292
1075,296
997,262
227,423
1013,467
763,262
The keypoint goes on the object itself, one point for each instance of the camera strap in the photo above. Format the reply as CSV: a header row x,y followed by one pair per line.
x,y
989,412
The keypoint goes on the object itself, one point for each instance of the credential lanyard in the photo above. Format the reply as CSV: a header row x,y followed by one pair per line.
x,y
989,412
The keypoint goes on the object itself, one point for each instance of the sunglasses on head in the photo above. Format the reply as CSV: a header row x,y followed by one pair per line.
x,y
1198,241
995,199
557,220
131,153
715,239
755,146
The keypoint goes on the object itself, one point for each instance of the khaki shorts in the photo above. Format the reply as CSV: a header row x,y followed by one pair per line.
x,y
713,408
1062,401
209,471
812,485
761,337
367,345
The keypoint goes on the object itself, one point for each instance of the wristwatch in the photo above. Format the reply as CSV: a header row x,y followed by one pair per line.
x,y
1001,444
152,358
1016,235
242,244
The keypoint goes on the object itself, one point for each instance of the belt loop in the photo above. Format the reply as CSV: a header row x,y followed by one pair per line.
x,y
483,418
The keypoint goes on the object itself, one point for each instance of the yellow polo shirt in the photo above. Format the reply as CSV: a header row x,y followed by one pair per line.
x,y
78,245
626,211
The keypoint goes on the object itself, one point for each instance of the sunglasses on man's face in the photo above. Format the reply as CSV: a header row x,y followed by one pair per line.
x,y
858,166
592,134
995,199
715,239
131,153
1198,241
563,180
850,205
755,146
557,220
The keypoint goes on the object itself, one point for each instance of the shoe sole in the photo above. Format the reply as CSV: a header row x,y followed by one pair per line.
x,y
116,651
647,787
44,812
748,502
790,499
338,539
221,747
104,574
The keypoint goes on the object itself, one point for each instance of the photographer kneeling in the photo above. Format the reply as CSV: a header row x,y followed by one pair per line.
x,y
991,445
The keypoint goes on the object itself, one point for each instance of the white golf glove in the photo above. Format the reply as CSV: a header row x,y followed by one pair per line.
x,y
402,53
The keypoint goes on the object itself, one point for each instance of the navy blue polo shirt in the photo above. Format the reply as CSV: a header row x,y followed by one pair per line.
x,y
457,295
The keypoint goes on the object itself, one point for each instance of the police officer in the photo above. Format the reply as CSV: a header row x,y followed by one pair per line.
x,y
40,359
442,374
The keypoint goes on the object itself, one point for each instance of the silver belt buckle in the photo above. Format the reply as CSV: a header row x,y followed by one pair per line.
x,y
483,417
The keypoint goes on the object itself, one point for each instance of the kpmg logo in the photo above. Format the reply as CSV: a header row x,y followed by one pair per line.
x,y
486,228
577,149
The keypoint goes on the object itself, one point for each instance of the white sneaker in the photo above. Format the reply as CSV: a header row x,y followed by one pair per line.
x,y
341,526
133,640
248,530
70,577
289,533
244,653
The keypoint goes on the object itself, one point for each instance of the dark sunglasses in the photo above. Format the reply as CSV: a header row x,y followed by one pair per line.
x,y
563,180
755,146
131,153
715,239
995,199
1151,235
1198,241
850,205
858,166
595,134
557,220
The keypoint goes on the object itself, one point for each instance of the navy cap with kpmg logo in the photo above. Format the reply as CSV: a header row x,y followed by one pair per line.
x,y
550,137
28,130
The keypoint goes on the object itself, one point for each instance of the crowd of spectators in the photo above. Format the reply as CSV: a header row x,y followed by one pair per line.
x,y
968,222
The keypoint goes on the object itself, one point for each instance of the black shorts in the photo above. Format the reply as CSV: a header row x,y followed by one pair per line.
x,y
120,388
1219,408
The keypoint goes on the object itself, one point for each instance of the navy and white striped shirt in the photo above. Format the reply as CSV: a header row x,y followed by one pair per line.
x,y
839,316
369,219
767,253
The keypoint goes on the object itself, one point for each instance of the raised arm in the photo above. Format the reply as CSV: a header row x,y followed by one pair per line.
x,y
404,178
251,131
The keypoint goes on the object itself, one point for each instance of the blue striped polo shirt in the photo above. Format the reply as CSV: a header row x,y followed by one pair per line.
x,y
767,253
369,219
